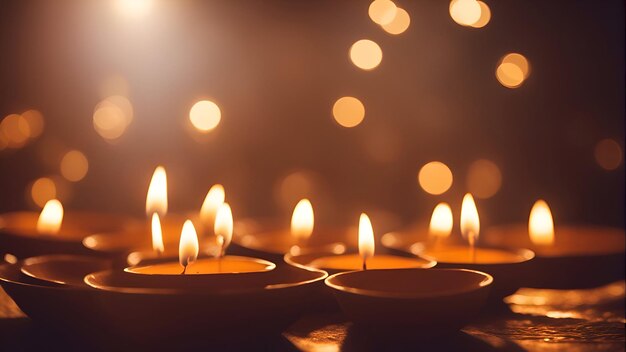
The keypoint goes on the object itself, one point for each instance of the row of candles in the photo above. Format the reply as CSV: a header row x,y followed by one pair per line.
x,y
160,258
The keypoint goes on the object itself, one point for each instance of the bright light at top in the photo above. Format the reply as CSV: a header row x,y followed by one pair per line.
x,y
302,220
540,224
134,8
366,237
51,217
441,221
470,222
156,200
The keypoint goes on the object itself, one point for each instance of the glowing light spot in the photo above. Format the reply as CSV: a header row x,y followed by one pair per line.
x,y
608,154
435,177
10,258
35,122
518,60
112,116
16,130
366,54
205,115
134,8
74,166
42,190
465,12
399,24
541,224
293,187
50,218
441,221
485,16
484,179
513,70
382,12
348,111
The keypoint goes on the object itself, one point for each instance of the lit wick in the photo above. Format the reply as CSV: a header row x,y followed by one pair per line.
x,y
472,242
223,228
157,235
188,247
302,222
470,223
366,239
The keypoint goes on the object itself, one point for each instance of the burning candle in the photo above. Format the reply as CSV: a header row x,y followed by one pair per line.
x,y
365,259
212,202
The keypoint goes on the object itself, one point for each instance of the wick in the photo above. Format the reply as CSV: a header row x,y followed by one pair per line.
x,y
184,269
472,243
364,264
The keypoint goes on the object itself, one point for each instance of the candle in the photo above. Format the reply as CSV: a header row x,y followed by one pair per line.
x,y
337,261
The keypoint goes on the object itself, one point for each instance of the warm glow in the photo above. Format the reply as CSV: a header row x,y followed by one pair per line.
x,y
441,221
399,24
485,16
382,12
15,130
112,116
35,122
134,8
470,223
51,217
156,200
518,60
188,247
205,115
540,224
42,190
224,225
348,111
484,178
465,12
608,154
366,237
302,220
157,234
212,202
366,54
74,166
435,177
513,70
10,258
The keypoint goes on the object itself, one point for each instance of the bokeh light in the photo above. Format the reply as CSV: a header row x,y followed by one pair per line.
x,y
512,70
465,12
435,177
294,187
15,130
366,54
399,24
42,190
485,16
74,166
348,111
382,12
134,8
205,115
35,122
112,116
608,154
484,178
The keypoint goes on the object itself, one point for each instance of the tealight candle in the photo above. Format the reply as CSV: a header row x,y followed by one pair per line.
x,y
365,259
571,257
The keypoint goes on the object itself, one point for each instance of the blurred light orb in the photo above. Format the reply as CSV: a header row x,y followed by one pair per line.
x,y
485,16
399,24
293,187
518,60
205,115
74,166
465,12
134,8
112,116
366,54
513,70
16,130
484,179
382,12
435,177
608,154
42,190
348,111
35,122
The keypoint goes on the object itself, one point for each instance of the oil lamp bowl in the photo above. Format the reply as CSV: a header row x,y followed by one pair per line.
x,y
424,303
222,308
19,236
62,269
581,256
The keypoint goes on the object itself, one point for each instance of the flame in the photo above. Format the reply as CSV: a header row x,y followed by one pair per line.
x,y
366,237
470,222
156,201
157,234
441,221
50,218
302,220
540,224
212,202
188,247
224,225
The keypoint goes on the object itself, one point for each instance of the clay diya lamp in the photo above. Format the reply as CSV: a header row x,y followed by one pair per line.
x,y
421,303
570,257
51,291
508,266
26,234
337,260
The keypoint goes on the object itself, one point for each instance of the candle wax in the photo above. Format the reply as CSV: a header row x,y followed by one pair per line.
x,y
463,254
225,264
355,262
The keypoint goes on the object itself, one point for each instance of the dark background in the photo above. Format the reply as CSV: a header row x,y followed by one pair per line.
x,y
276,67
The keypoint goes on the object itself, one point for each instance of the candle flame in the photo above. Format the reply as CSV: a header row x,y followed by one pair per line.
x,y
212,202
188,247
540,224
51,217
224,225
157,234
302,220
441,221
366,237
156,200
470,222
